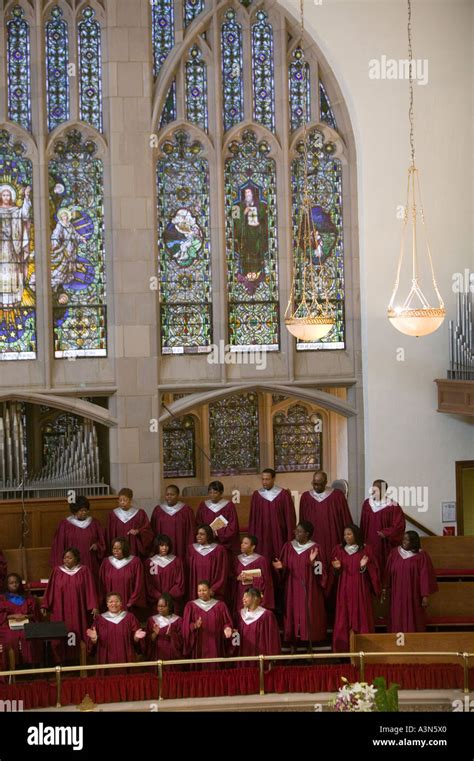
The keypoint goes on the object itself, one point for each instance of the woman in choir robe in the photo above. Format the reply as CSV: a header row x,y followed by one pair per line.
x,y
207,560
382,522
252,570
175,519
304,576
131,522
115,635
122,572
257,627
410,577
207,625
164,572
70,596
82,531
165,632
355,564
220,514
16,606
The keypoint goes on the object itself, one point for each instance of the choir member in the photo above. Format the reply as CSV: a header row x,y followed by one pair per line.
x,y
257,627
164,572
131,522
115,635
83,531
165,632
220,514
207,625
355,564
410,577
17,605
3,570
70,596
244,567
382,522
272,516
304,576
207,560
123,572
175,519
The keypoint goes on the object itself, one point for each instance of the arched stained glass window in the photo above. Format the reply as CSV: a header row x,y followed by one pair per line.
x,y
179,448
184,247
262,72
196,89
327,114
162,18
299,85
233,435
90,69
232,71
192,8
297,440
19,69
168,114
17,254
57,79
77,251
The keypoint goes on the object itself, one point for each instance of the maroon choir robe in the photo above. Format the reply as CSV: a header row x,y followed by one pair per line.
x,y
410,576
120,522
209,640
69,596
329,513
382,516
115,643
207,562
258,632
125,577
304,597
228,535
178,523
169,644
264,582
164,573
354,605
26,651
3,570
82,535
272,520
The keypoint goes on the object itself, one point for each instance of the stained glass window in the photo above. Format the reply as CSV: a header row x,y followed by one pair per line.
x,y
299,85
327,114
179,459
162,19
297,440
196,89
57,79
17,253
234,435
90,69
252,245
168,114
184,247
232,71
192,8
19,69
77,248
262,72
325,180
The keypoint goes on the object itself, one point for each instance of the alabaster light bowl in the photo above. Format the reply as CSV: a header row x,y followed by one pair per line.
x,y
416,322
309,328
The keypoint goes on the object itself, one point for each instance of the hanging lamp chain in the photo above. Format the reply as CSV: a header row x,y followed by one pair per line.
x,y
410,78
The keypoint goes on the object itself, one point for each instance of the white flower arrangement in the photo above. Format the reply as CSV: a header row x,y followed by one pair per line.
x,y
359,696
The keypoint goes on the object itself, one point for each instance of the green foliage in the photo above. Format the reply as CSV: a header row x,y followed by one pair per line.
x,y
386,699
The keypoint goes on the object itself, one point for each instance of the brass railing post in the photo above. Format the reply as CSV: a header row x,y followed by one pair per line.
x,y
160,680
58,686
261,664
465,659
361,667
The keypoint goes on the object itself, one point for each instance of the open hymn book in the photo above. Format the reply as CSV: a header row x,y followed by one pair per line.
x,y
218,523
255,573
18,623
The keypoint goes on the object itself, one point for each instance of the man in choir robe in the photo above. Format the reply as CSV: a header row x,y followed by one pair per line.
x,y
131,522
82,531
207,625
411,578
272,516
115,635
220,514
382,522
257,627
175,519
252,570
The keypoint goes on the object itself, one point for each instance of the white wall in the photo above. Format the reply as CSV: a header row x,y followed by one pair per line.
x,y
407,441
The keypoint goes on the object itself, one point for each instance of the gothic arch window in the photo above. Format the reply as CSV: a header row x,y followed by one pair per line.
x,y
297,439
90,68
19,67
234,435
179,448
57,75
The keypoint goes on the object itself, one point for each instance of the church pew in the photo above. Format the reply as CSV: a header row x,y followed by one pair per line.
x,y
452,605
453,642
451,555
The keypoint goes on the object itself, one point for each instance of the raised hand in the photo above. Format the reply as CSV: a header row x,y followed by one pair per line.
x,y
364,561
277,564
336,564
313,554
228,632
92,634
139,634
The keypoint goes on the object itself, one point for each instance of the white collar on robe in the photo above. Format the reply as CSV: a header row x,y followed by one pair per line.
x,y
70,571
376,506
120,563
250,616
351,549
247,559
114,618
215,506
406,553
125,515
80,524
205,549
206,606
299,548
163,621
270,494
321,497
163,560
172,509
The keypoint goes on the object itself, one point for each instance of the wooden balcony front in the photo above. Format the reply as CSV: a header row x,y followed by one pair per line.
x,y
456,396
